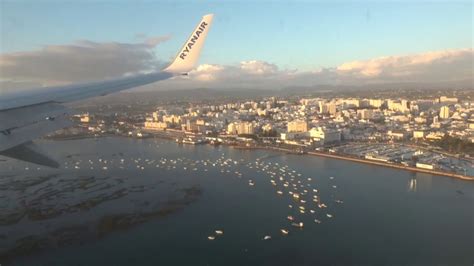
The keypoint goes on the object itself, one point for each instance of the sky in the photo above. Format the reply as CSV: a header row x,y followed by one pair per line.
x,y
298,42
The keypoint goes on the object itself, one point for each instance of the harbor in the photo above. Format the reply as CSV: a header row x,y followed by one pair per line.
x,y
242,203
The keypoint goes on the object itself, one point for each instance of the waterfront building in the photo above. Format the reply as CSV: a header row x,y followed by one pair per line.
x,y
155,125
297,126
325,135
241,127
172,119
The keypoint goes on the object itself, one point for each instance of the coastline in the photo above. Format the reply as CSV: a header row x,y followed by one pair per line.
x,y
313,153
365,161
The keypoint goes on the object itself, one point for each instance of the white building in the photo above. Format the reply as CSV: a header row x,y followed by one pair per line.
x,y
237,128
325,135
444,112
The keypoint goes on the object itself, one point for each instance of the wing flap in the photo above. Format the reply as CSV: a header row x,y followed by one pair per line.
x,y
28,152
17,136
23,116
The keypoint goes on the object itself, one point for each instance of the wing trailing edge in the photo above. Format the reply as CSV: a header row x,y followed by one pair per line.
x,y
28,152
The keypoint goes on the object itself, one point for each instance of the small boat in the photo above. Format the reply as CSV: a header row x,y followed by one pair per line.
x,y
211,237
284,231
329,215
289,217
312,211
267,238
339,201
317,221
299,225
279,192
219,232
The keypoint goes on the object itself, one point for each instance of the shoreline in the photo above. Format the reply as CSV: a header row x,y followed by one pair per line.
x,y
312,153
365,161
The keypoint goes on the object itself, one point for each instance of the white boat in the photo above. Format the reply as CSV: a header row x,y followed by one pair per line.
x,y
299,225
317,221
219,232
267,238
329,215
284,231
211,237
289,217
279,192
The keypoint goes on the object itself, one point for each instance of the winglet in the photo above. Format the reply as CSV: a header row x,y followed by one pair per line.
x,y
189,54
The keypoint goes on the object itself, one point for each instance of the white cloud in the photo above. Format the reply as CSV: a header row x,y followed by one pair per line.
x,y
206,72
408,65
256,67
438,66
85,60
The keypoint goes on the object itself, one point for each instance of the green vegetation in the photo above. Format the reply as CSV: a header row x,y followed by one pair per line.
x,y
456,145
271,133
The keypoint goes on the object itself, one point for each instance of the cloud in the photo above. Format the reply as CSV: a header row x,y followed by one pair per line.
x,y
255,67
81,61
438,66
86,60
246,71
447,63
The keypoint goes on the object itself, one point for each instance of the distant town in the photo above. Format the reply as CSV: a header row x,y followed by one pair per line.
x,y
433,134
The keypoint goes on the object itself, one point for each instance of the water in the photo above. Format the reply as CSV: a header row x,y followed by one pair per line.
x,y
385,217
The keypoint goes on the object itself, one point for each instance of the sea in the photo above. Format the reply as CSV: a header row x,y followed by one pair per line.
x,y
123,201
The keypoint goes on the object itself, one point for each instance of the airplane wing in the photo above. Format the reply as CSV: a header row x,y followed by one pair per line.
x,y
30,114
